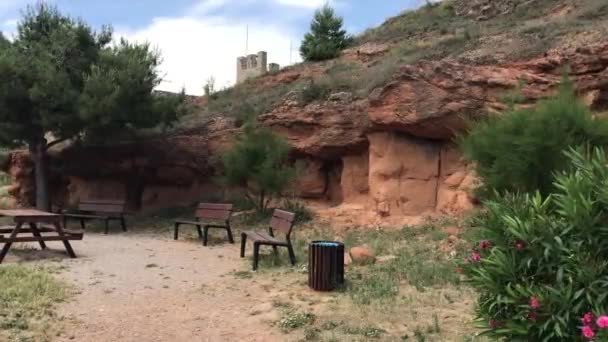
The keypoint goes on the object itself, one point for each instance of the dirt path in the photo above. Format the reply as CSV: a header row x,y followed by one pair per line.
x,y
143,288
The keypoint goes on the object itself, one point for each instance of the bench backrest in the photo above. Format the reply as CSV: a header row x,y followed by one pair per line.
x,y
212,211
102,206
282,221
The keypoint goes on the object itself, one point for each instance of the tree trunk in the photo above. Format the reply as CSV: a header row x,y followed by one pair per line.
x,y
262,200
39,157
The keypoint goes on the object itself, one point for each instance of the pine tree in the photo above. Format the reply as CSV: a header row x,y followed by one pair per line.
x,y
326,37
61,80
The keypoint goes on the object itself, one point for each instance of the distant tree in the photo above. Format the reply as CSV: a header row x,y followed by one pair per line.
x,y
61,80
257,163
326,37
209,86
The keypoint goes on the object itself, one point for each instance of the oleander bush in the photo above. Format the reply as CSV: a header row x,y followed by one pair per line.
x,y
541,270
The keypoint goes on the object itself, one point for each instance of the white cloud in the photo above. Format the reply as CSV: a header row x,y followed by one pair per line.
x,y
205,6
310,4
302,3
195,49
9,27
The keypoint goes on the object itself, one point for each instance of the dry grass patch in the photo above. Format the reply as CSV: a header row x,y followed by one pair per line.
x,y
28,296
415,296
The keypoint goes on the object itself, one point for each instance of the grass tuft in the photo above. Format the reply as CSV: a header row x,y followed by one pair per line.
x,y
27,299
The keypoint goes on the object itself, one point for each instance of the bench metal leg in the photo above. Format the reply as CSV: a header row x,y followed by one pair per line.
x,y
176,231
229,230
36,233
82,225
123,224
256,255
206,235
292,255
243,244
107,226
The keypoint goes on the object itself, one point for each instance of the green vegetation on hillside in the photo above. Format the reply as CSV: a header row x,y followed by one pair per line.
x,y
432,32
519,151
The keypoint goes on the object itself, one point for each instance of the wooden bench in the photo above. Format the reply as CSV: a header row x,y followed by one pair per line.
x,y
282,221
95,209
209,212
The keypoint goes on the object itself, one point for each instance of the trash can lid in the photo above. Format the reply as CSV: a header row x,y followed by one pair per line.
x,y
326,243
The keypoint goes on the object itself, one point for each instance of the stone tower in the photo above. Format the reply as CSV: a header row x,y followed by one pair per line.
x,y
252,66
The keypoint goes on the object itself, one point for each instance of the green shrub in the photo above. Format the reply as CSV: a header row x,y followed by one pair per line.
x,y
257,163
521,149
303,213
314,91
544,262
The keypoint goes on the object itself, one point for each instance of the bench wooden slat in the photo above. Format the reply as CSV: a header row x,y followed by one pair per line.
x,y
101,207
212,214
264,237
43,238
285,215
91,216
28,230
281,225
215,206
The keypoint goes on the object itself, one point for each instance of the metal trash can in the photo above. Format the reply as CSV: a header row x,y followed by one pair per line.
x,y
325,265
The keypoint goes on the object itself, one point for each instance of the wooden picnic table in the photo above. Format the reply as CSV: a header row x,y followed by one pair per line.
x,y
38,222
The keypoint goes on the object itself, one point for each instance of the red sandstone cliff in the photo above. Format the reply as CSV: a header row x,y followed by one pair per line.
x,y
391,154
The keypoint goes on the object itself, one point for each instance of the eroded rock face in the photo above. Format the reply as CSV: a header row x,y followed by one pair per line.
x,y
403,174
435,99
354,180
326,131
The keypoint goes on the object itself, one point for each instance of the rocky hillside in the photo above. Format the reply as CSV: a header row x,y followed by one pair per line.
x,y
373,128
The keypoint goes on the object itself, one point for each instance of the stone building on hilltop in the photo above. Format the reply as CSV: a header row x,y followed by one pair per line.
x,y
251,66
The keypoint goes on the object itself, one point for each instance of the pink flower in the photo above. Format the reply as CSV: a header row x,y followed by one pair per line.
x,y
602,322
588,332
485,244
587,318
534,304
476,257
493,324
520,245
458,270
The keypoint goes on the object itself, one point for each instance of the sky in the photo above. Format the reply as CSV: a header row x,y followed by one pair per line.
x,y
199,39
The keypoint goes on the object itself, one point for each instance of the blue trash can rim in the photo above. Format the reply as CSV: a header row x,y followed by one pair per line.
x,y
327,243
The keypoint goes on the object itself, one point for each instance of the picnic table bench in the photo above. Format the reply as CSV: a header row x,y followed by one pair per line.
x,y
38,222
96,209
208,212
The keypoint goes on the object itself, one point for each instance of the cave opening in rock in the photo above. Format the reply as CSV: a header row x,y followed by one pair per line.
x,y
332,170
